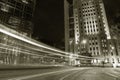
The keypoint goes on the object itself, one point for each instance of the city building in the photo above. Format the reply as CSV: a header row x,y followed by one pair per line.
x,y
115,33
17,14
87,31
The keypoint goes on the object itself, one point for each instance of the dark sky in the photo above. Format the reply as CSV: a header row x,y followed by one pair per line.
x,y
49,19
49,24
112,10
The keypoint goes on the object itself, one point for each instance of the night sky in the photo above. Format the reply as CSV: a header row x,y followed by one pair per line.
x,y
49,20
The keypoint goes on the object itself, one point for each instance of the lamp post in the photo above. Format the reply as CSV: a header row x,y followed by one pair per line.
x,y
114,59
84,41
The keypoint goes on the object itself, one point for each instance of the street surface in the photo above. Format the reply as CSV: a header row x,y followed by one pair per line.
x,y
62,74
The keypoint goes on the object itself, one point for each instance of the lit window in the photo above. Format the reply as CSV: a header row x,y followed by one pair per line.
x,y
5,7
14,21
25,1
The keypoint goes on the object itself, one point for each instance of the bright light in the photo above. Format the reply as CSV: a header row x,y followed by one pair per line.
x,y
112,47
84,41
71,56
25,1
95,61
114,65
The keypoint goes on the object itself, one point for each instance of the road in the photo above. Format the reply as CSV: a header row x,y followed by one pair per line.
x,y
62,74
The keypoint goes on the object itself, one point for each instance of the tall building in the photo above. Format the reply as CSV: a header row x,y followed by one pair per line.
x,y
87,30
115,33
17,14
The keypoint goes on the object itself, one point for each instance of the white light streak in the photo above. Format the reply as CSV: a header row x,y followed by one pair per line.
x,y
28,52
28,41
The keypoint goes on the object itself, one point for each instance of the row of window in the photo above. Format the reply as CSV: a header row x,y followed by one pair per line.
x,y
19,1
14,9
87,7
93,48
88,11
93,43
14,21
90,14
91,31
93,3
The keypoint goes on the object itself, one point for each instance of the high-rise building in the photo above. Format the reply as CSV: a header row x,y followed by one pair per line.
x,y
17,14
87,30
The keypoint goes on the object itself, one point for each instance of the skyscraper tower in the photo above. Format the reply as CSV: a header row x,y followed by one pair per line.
x,y
17,14
86,28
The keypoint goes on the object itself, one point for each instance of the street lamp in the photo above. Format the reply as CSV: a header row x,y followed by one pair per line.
x,y
113,48
84,41
114,59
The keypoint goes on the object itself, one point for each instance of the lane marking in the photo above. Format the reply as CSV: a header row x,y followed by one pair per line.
x,y
38,75
67,75
110,74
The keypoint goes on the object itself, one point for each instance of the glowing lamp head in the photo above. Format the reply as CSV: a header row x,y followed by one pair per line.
x,y
112,47
84,41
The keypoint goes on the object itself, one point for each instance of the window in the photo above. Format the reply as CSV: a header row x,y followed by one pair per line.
x,y
96,44
76,22
17,13
19,5
90,22
112,53
5,8
25,1
89,43
90,48
76,26
11,1
97,53
97,48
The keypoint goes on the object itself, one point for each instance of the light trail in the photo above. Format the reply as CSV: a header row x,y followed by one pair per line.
x,y
27,53
28,41
24,50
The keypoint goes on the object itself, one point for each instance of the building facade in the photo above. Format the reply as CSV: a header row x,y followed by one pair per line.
x,y
87,30
17,14
115,33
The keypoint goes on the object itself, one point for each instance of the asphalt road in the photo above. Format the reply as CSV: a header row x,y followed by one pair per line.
x,y
62,74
